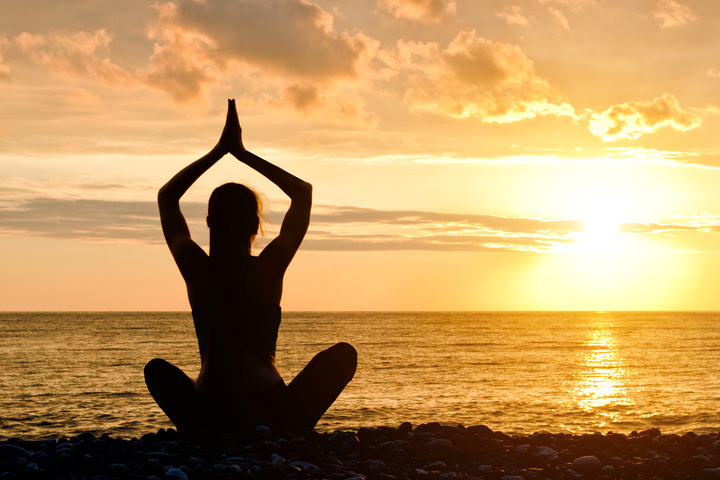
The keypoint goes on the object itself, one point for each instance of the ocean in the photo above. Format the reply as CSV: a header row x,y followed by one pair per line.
x,y
518,372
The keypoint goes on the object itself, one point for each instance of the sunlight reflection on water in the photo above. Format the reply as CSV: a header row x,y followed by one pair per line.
x,y
601,384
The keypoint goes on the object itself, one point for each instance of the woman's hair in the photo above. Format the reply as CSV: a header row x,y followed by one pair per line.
x,y
234,213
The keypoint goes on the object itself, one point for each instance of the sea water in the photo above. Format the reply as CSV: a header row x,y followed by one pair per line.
x,y
519,372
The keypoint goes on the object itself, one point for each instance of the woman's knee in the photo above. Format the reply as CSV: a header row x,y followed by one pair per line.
x,y
345,354
343,350
155,366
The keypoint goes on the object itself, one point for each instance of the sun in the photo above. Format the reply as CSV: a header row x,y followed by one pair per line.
x,y
601,223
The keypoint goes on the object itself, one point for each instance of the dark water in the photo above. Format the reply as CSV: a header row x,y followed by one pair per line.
x,y
63,373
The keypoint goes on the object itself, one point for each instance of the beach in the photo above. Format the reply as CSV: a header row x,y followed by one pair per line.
x,y
424,452
75,406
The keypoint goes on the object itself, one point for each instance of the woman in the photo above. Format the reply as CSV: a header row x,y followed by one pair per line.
x,y
235,300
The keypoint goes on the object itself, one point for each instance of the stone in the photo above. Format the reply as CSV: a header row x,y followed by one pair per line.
x,y
117,469
175,474
305,466
13,450
405,427
546,451
439,443
587,463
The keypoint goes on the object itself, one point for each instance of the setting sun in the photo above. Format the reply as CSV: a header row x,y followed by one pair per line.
x,y
601,225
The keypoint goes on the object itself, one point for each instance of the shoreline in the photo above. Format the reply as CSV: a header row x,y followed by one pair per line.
x,y
426,452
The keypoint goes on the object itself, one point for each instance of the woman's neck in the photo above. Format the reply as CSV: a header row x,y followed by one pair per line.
x,y
229,247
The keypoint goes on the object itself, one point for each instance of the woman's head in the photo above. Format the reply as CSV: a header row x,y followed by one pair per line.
x,y
234,213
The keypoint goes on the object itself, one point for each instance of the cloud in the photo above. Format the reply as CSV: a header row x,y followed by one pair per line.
x,y
302,97
179,64
477,78
420,10
79,53
4,69
28,211
291,40
670,13
283,51
82,219
651,228
348,214
632,119
560,18
513,16
569,3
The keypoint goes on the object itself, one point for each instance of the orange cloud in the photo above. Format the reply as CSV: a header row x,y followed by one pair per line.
x,y
74,54
478,78
560,18
292,37
290,42
670,13
286,51
302,97
179,65
513,16
4,69
633,119
80,54
420,10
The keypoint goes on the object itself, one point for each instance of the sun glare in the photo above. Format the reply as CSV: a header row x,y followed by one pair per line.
x,y
601,220
602,225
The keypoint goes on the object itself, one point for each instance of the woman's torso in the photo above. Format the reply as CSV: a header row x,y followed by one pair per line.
x,y
252,350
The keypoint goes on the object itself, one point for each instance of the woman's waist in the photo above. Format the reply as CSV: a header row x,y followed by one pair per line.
x,y
249,373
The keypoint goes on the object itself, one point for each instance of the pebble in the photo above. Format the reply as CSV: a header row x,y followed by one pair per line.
x,y
13,450
175,474
546,451
117,469
425,452
262,430
587,463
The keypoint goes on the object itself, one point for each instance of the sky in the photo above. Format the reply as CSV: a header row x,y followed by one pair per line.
x,y
465,155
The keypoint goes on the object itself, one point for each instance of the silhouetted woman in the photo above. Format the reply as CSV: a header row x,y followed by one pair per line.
x,y
235,301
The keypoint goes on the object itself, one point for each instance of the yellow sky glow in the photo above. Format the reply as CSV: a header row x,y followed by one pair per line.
x,y
512,155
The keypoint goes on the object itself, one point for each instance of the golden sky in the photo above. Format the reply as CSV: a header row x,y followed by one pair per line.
x,y
465,155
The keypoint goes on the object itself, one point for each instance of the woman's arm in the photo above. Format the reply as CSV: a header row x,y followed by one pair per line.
x,y
174,226
278,254
296,220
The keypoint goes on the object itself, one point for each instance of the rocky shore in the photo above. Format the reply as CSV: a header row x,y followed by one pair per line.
x,y
426,452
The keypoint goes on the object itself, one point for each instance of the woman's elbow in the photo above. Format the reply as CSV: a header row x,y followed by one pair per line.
x,y
308,188
162,195
165,196
303,190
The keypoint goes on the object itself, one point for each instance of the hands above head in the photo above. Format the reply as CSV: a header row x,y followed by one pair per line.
x,y
231,138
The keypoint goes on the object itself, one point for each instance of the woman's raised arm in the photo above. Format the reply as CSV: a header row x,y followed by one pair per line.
x,y
174,225
281,250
